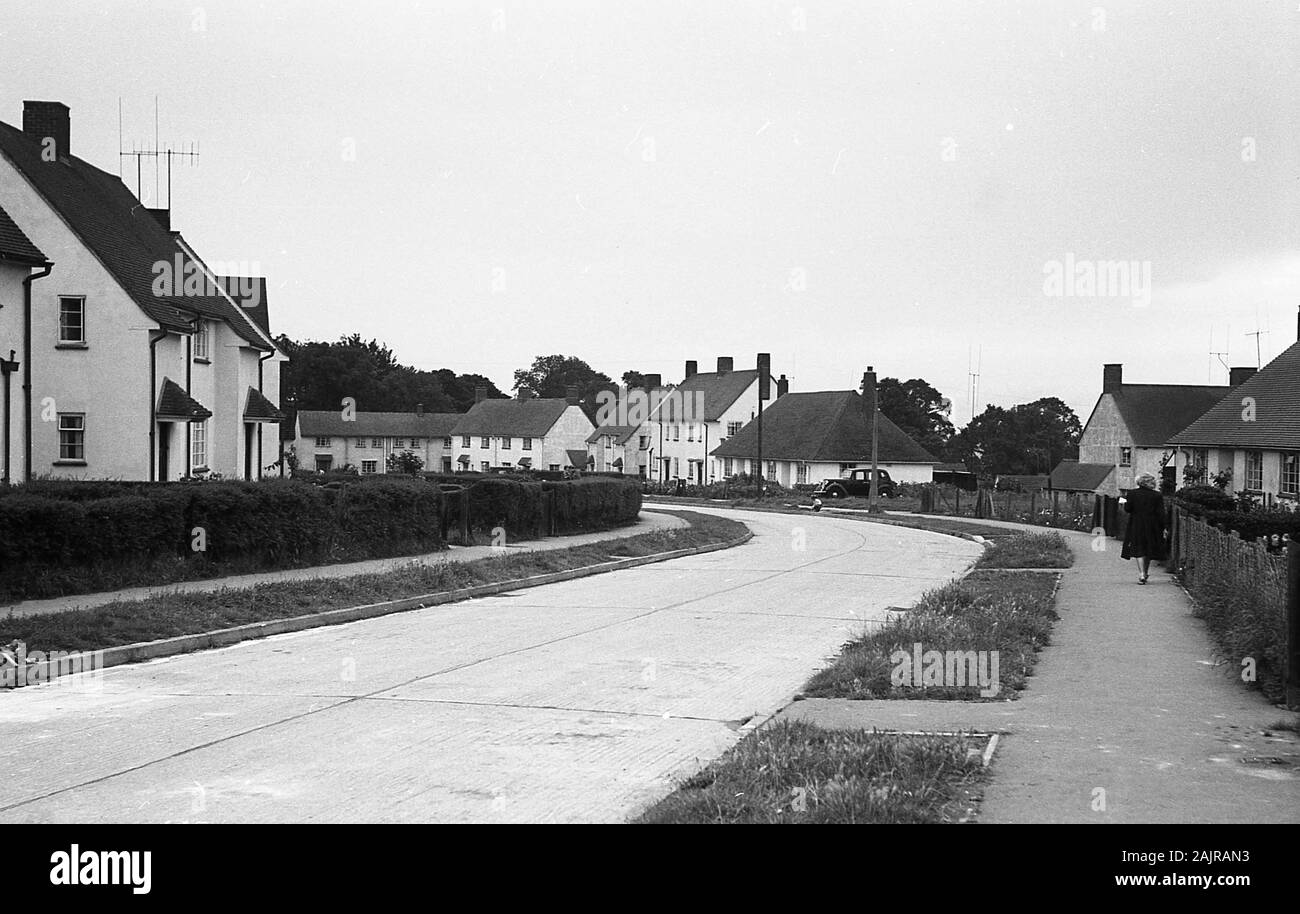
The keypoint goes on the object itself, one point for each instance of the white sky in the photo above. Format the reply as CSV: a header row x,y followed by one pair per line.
x,y
638,184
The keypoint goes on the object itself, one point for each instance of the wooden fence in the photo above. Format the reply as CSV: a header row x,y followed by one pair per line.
x,y
1069,510
1264,582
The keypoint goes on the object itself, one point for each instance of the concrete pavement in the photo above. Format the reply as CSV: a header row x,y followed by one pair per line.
x,y
579,701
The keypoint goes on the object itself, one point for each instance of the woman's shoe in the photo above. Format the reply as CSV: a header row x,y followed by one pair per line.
x,y
1142,579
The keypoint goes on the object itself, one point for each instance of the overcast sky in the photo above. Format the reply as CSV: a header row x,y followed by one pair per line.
x,y
638,184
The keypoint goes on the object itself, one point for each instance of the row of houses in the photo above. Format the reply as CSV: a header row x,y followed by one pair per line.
x,y
701,430
1245,433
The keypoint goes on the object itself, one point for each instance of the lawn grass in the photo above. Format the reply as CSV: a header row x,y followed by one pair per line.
x,y
989,610
171,614
794,772
1028,550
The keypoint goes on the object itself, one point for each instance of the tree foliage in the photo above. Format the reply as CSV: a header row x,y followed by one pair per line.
x,y
1030,438
918,409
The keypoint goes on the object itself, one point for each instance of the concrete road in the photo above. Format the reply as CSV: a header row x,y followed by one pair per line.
x,y
574,702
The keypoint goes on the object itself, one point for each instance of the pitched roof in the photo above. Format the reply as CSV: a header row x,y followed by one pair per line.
x,y
14,245
620,433
175,403
260,408
249,292
532,418
326,422
1275,423
829,426
718,392
1155,412
121,233
1072,476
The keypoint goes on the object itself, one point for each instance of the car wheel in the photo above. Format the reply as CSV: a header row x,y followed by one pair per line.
x,y
836,492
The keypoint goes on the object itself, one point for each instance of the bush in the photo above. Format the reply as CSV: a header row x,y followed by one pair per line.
x,y
75,537
1199,499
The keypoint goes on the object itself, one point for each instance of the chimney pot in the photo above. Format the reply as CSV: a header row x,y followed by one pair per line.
x,y
48,121
782,386
725,364
692,368
1240,375
1112,377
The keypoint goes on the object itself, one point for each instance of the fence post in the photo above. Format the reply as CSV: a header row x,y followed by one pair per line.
x,y
1293,622
464,517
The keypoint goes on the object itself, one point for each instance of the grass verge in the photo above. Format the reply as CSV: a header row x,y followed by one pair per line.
x,y
171,614
979,640
1028,550
795,772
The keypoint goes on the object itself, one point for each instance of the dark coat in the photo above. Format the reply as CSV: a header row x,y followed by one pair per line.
x,y
1145,537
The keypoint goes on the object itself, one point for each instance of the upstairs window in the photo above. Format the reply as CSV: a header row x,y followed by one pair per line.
x,y
464,440
72,319
486,442
1126,456
361,442
415,442
505,443
323,441
399,443
376,442
528,444
446,442
201,340
677,433
733,428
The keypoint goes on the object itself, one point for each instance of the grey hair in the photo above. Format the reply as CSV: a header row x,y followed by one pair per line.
x,y
1146,480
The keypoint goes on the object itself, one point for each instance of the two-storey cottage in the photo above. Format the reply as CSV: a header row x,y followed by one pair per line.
x,y
529,432
702,412
330,439
136,361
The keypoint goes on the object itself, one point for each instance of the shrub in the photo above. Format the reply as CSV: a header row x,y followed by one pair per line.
x,y
1199,499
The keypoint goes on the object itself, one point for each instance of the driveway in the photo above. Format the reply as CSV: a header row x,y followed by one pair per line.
x,y
574,702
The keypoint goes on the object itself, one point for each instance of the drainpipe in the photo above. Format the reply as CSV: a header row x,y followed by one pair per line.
x,y
44,270
155,337
260,361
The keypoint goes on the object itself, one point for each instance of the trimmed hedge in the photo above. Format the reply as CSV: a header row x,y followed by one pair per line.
x,y
78,537
1199,499
519,506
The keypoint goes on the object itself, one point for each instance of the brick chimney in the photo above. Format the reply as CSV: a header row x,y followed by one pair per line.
x,y
571,395
782,386
480,394
653,381
163,217
692,368
1112,378
725,364
48,119
1240,375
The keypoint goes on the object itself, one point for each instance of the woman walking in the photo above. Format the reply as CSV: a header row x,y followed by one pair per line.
x,y
1145,538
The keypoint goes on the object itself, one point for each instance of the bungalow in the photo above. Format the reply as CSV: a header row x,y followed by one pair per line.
x,y
1252,436
702,412
136,361
530,432
325,440
808,437
1127,434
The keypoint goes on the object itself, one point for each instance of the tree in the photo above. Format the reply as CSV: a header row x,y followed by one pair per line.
x,y
1030,438
634,380
407,462
461,388
918,409
553,375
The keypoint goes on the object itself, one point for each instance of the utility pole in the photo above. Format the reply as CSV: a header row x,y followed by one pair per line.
x,y
869,394
764,393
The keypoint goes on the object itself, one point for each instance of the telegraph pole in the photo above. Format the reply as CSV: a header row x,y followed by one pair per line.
x,y
873,414
764,392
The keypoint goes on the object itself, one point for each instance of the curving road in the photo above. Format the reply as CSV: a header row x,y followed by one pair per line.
x,y
579,701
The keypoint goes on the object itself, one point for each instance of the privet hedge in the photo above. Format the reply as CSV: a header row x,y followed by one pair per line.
x,y
59,537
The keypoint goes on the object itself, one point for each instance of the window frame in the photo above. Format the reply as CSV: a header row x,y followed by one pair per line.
x,y
1293,491
80,444
199,444
1126,456
60,339
324,441
1258,457
201,342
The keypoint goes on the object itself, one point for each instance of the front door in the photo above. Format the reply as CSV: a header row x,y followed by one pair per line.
x,y
249,433
164,449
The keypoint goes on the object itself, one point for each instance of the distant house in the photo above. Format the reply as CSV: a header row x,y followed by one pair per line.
x,y
1254,433
1127,434
626,448
705,410
530,432
325,440
143,361
812,436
